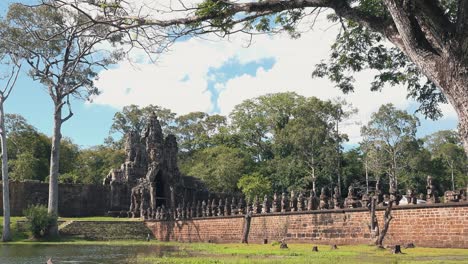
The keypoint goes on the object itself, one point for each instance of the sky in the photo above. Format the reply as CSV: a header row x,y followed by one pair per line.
x,y
213,76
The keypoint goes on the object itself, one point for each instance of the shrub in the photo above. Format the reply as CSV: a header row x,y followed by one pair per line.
x,y
39,220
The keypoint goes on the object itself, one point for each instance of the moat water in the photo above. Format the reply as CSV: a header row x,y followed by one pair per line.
x,y
34,254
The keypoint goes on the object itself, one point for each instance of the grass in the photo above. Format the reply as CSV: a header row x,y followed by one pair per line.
x,y
302,253
23,237
194,253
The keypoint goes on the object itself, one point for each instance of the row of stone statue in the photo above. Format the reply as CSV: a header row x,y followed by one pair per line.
x,y
283,203
295,203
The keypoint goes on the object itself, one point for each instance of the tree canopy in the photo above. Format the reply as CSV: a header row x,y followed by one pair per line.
x,y
428,38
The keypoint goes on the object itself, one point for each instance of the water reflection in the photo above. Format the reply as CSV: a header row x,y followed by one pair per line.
x,y
34,254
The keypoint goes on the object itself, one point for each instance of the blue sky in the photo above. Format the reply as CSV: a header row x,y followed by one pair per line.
x,y
212,76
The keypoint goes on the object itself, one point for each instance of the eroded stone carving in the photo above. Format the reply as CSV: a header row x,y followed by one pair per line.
x,y
265,205
431,194
323,199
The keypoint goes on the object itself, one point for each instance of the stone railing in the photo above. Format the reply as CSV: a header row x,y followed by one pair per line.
x,y
223,207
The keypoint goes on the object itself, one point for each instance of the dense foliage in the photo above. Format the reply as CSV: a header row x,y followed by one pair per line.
x,y
272,143
39,220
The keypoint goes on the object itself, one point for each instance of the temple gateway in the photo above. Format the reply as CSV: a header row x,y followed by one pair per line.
x,y
150,178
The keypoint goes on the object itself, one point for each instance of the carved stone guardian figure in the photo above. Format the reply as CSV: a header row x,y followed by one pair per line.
x,y
284,203
256,208
411,196
233,206
275,207
300,202
214,208
227,208
220,207
351,201
323,199
204,209
336,198
293,202
265,205
312,201
431,194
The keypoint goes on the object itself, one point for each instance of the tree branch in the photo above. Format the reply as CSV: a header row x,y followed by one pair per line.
x,y
70,113
11,81
434,23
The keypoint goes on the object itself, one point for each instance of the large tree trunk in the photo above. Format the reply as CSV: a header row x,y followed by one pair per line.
x,y
54,168
423,35
6,233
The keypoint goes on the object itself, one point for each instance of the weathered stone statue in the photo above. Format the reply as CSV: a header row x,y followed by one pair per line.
x,y
411,196
178,212
284,203
395,196
323,199
233,206
209,208
451,197
463,194
185,211
312,202
163,213
204,209
265,205
135,201
431,194
275,206
365,200
256,208
336,198
199,210
351,201
241,207
227,208
300,202
385,201
214,208
293,202
220,207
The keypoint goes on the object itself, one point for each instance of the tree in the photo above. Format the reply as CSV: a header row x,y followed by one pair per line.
x,y
446,146
93,163
385,138
197,130
29,150
314,139
254,185
133,118
9,61
220,167
428,36
60,47
387,133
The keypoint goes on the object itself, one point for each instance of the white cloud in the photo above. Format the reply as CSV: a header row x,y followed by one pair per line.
x,y
166,84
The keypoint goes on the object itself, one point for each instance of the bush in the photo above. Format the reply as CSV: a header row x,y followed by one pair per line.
x,y
39,220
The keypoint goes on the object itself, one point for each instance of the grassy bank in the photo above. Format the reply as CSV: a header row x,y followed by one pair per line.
x,y
19,235
254,253
296,253
302,253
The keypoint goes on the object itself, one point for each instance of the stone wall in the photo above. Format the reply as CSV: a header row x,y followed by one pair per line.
x,y
436,225
74,199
